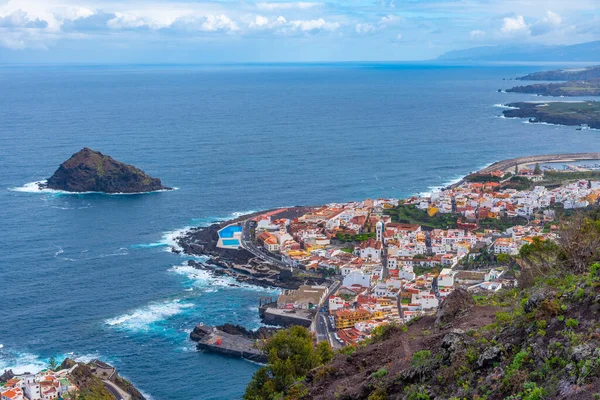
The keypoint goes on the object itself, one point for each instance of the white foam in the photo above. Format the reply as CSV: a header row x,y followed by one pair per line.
x,y
142,319
169,239
504,106
209,283
24,362
38,187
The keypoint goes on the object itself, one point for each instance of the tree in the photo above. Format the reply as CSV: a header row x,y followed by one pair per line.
x,y
52,364
325,352
291,355
537,170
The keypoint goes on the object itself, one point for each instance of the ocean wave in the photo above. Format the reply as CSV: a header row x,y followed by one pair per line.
x,y
144,319
210,283
504,106
34,187
169,238
21,362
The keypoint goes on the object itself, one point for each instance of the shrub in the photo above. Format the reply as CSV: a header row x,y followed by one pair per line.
x,y
380,373
420,358
572,323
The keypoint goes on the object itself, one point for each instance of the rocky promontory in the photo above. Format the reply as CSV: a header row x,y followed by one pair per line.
x,y
559,113
91,171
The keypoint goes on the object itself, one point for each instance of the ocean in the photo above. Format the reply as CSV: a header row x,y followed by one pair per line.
x,y
91,275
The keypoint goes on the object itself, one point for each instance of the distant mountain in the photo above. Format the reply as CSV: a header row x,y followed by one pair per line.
x,y
583,52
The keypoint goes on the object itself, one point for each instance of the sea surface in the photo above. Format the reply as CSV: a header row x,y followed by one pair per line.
x,y
91,275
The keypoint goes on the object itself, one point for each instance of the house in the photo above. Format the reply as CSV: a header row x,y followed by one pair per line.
x,y
304,298
446,278
269,241
371,249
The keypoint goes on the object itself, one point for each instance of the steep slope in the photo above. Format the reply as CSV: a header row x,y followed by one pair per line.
x,y
540,343
91,171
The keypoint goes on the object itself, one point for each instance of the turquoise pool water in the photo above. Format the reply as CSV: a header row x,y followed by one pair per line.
x,y
228,231
231,242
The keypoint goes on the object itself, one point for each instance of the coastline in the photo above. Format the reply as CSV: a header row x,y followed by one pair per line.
x,y
245,267
519,162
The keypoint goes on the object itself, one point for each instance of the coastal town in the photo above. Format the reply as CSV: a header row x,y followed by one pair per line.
x,y
382,267
45,385
69,380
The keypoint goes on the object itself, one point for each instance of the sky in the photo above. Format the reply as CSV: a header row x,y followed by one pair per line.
x,y
239,31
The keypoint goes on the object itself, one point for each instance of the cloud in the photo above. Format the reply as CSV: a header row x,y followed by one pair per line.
x,y
20,19
364,28
477,34
314,25
94,22
286,6
550,22
205,23
514,26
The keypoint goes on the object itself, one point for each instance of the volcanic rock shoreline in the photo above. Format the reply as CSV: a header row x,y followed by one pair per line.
x,y
240,264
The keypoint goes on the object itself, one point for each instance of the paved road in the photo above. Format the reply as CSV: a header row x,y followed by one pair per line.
x,y
117,393
248,244
323,326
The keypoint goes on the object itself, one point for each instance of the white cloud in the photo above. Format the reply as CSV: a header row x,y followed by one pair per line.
x,y
365,28
314,25
399,36
477,34
514,26
389,20
550,22
286,6
205,23
20,19
127,21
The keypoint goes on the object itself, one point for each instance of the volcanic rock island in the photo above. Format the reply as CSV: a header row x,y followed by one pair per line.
x,y
91,171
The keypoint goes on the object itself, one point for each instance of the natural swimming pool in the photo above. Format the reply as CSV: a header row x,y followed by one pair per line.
x,y
229,231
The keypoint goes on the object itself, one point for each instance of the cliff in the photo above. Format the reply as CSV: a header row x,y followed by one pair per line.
x,y
90,379
570,74
571,88
91,171
560,113
542,344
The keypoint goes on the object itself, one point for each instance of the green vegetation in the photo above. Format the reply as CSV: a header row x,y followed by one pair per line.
x,y
517,183
410,214
500,224
482,178
291,355
561,113
345,238
559,176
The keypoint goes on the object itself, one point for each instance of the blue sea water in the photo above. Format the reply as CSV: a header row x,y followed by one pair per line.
x,y
91,275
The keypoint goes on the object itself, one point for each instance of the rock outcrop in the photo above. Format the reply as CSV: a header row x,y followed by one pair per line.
x,y
91,171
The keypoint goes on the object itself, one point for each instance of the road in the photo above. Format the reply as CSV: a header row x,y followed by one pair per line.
x,y
115,391
248,244
323,326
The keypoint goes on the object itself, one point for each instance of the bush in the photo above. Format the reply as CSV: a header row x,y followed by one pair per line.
x,y
420,358
380,373
572,323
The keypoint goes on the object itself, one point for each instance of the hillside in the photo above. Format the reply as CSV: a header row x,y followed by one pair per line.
x,y
583,52
567,74
538,341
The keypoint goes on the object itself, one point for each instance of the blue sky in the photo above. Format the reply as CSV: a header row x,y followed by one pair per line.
x,y
193,31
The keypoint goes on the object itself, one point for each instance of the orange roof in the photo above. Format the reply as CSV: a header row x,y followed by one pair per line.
x,y
12,393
